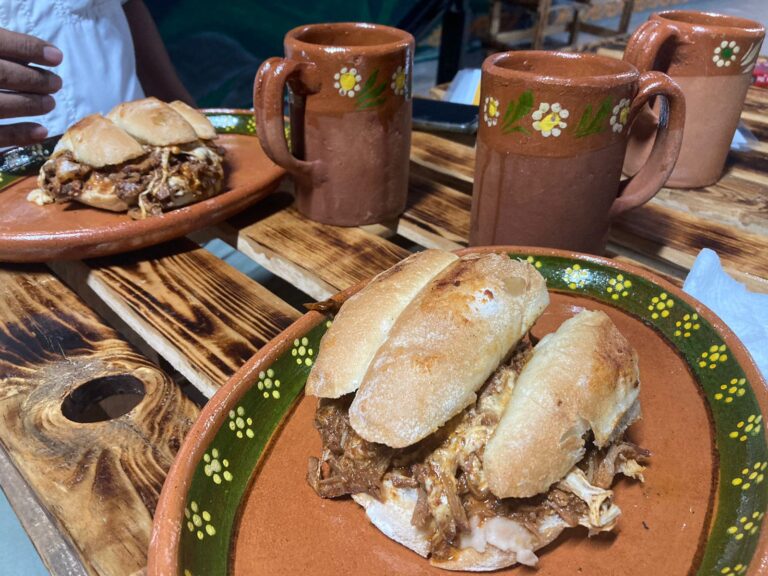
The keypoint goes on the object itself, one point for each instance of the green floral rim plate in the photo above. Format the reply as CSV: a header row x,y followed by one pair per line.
x,y
198,510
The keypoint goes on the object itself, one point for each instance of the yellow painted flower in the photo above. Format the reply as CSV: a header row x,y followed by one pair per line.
x,y
660,306
250,126
734,389
347,81
491,111
618,287
241,424
216,468
725,53
689,323
199,521
549,119
749,476
749,426
302,352
620,115
535,263
399,78
268,384
746,525
575,276
712,357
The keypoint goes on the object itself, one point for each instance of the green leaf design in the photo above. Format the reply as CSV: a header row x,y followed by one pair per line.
x,y
371,95
516,111
369,83
589,124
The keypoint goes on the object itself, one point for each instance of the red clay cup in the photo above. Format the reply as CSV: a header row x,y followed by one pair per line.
x,y
711,57
551,144
350,130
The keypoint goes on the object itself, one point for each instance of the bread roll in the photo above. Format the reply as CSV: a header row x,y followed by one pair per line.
x,y
203,127
97,142
153,122
445,345
364,321
582,377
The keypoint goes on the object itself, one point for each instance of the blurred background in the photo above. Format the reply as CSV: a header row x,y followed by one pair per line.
x,y
217,47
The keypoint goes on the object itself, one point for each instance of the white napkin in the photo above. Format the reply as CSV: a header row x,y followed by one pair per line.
x,y
745,312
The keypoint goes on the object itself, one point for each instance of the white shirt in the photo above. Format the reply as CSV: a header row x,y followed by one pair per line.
x,y
99,66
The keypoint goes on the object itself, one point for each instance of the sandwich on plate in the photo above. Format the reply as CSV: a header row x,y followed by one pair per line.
x,y
461,439
145,157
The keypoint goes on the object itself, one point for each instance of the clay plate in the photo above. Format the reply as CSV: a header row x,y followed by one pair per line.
x,y
31,233
236,501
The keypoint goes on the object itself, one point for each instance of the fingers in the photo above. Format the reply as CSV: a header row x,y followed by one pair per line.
x,y
13,105
21,134
20,78
25,49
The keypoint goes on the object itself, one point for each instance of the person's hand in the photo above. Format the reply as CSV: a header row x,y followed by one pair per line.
x,y
25,89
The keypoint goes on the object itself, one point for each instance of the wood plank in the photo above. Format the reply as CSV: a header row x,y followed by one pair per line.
x,y
100,480
444,156
200,314
317,258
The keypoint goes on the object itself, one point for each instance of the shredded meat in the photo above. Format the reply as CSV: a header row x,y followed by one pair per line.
x,y
159,180
348,464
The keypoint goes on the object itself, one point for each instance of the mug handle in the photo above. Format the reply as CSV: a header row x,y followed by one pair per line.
x,y
268,88
669,137
644,45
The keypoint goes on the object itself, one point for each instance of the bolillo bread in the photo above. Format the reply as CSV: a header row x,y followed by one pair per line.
x,y
153,122
444,346
98,142
582,377
202,126
364,323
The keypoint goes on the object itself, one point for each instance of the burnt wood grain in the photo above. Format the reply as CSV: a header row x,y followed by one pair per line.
x,y
100,480
200,314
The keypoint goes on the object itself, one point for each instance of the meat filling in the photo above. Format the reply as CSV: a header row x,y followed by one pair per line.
x,y
161,179
447,470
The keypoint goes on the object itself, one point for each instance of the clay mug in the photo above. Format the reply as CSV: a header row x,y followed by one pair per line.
x,y
350,119
551,144
711,57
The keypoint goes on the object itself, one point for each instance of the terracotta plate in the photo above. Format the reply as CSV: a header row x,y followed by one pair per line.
x,y
31,233
236,501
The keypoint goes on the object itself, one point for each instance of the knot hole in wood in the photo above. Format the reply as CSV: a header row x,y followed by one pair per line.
x,y
103,398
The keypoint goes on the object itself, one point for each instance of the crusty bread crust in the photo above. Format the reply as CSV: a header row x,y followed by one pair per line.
x,y
365,320
153,122
203,127
583,377
102,197
97,142
445,345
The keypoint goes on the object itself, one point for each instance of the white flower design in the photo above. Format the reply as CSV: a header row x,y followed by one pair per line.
x,y
398,81
347,81
491,110
549,119
620,115
725,53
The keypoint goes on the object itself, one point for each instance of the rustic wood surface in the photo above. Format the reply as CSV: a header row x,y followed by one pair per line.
x,y
177,317
100,480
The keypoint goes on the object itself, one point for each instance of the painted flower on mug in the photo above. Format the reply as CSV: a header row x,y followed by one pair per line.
x,y
548,119
398,81
347,81
725,53
491,111
620,115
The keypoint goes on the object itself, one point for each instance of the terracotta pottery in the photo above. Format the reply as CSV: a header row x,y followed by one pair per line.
x,y
236,500
350,129
551,144
711,57
32,233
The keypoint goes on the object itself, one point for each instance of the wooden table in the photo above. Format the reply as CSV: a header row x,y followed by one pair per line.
x,y
177,322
